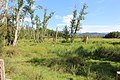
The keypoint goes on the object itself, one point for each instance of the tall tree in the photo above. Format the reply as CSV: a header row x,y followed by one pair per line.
x,y
45,22
76,22
29,9
20,3
38,24
73,25
10,23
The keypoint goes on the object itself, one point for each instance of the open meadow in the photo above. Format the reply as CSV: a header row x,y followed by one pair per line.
x,y
59,40
97,60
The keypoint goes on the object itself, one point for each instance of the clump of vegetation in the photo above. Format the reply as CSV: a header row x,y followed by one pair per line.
x,y
66,34
108,52
113,35
11,51
75,23
74,65
2,34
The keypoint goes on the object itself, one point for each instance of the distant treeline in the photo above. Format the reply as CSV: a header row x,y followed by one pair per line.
x,y
25,33
92,34
113,35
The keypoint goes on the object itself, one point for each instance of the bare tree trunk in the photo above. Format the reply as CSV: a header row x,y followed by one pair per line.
x,y
2,70
1,3
4,19
17,28
45,29
14,1
56,34
33,34
5,12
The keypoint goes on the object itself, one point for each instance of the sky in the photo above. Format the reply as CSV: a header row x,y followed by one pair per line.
x,y
103,15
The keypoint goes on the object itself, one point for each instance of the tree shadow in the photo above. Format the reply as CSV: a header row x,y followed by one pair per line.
x,y
82,52
45,62
104,69
72,65
115,43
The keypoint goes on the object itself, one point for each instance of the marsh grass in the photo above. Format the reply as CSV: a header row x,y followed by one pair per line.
x,y
63,61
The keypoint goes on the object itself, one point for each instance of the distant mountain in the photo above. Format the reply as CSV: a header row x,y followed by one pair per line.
x,y
92,34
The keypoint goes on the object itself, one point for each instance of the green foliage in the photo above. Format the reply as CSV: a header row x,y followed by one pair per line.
x,y
2,35
45,22
10,32
30,2
51,33
66,33
1,44
76,22
20,3
113,35
22,33
38,22
28,33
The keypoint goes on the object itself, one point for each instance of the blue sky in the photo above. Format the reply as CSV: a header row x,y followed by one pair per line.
x,y
103,15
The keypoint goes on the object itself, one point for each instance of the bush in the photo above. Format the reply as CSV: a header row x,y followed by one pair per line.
x,y
108,52
113,35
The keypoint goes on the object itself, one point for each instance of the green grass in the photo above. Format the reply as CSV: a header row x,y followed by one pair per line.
x,y
48,61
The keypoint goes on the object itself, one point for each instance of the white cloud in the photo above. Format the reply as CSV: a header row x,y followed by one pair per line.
x,y
100,28
96,28
34,7
27,19
100,1
65,20
58,17
61,24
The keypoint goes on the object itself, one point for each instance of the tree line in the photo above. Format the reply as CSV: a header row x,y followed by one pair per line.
x,y
13,25
113,35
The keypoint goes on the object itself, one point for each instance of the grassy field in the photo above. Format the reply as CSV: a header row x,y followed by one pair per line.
x,y
97,60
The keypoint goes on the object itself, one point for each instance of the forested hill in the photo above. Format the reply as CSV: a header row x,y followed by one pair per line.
x,y
92,34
